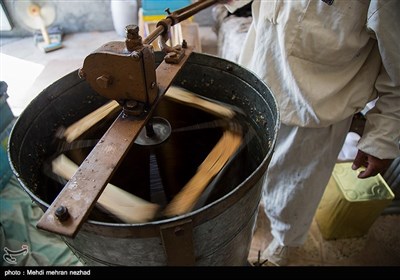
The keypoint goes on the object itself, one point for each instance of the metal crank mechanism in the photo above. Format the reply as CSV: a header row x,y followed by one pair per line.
x,y
125,72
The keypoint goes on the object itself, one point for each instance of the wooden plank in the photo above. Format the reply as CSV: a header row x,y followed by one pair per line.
x,y
186,199
78,128
188,98
122,204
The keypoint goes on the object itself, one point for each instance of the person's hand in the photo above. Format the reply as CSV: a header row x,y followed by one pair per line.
x,y
372,164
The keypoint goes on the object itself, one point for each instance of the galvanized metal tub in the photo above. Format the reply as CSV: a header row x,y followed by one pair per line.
x,y
219,233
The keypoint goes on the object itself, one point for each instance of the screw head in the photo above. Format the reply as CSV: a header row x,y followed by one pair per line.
x,y
62,213
131,104
104,81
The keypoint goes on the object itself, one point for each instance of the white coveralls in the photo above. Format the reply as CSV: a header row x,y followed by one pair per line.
x,y
323,61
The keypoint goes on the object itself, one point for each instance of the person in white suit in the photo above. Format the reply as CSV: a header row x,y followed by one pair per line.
x,y
324,60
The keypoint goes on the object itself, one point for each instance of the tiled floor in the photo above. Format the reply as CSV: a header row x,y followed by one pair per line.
x,y
379,247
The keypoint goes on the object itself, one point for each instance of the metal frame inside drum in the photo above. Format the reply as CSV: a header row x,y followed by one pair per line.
x,y
221,231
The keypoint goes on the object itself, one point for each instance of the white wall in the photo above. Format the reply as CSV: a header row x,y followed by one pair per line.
x,y
81,16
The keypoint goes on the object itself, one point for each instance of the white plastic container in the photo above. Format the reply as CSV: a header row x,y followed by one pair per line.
x,y
124,12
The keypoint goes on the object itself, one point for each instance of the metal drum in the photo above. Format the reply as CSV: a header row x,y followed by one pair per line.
x,y
218,233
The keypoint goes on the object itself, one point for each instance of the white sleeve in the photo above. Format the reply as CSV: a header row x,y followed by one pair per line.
x,y
382,131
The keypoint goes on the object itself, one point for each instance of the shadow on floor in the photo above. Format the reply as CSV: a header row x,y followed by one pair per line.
x,y
379,247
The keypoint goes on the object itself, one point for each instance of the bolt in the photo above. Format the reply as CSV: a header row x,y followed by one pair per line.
x,y
172,54
62,213
104,81
135,55
133,108
133,39
184,44
132,31
131,104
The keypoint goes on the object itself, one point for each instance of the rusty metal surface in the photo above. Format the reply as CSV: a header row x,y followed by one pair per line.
x,y
81,192
118,74
178,244
190,10
85,187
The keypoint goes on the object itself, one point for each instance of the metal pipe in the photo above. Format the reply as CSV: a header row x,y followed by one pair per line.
x,y
176,17
191,10
161,28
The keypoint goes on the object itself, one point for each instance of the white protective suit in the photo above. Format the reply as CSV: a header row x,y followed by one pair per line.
x,y
323,60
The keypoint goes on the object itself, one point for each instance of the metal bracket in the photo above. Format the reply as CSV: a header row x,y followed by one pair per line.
x,y
178,243
173,54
